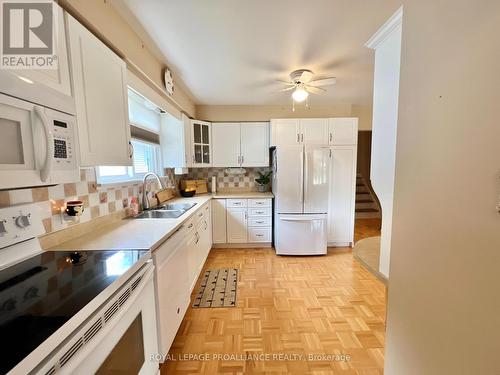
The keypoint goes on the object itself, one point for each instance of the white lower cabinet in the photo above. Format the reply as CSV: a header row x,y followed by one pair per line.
x,y
236,225
219,221
259,234
242,221
178,263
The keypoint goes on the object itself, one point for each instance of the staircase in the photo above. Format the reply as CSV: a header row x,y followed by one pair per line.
x,y
366,205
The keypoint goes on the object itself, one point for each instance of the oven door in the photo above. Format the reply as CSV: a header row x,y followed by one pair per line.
x,y
120,338
26,144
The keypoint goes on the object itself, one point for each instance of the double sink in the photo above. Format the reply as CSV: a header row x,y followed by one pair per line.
x,y
166,211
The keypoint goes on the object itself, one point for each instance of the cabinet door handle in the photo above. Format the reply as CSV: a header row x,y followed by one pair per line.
x,y
131,146
200,214
190,225
197,238
242,159
331,137
206,225
298,137
302,137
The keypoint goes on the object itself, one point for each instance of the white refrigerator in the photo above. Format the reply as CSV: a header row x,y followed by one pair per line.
x,y
301,176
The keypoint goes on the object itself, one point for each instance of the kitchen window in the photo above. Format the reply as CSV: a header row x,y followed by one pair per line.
x,y
145,120
146,159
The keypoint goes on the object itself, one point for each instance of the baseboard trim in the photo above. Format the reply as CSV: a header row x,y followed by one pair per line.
x,y
373,271
252,245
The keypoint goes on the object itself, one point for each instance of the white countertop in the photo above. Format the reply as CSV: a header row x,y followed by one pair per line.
x,y
145,234
137,234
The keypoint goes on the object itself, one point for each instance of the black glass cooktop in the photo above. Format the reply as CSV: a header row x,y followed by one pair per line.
x,y
39,295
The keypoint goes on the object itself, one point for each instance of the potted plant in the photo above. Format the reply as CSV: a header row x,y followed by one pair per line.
x,y
263,180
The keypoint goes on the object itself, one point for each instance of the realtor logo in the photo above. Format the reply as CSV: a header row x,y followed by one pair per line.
x,y
28,34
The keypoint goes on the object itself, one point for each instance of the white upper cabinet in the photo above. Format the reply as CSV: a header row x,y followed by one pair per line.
x,y
254,144
285,132
314,131
175,141
48,87
226,144
240,144
201,143
100,90
343,131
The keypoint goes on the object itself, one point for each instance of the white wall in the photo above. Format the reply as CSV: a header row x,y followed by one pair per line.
x,y
444,291
387,44
266,112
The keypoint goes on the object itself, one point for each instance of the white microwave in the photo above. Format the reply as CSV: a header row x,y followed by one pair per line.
x,y
38,145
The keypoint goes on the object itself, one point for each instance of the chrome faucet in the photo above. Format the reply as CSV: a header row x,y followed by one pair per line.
x,y
145,200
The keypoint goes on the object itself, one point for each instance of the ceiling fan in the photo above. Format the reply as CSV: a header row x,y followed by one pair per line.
x,y
302,84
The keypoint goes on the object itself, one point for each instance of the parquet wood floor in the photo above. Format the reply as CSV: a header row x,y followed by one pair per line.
x,y
289,306
364,228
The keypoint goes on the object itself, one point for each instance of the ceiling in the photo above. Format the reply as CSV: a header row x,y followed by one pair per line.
x,y
230,52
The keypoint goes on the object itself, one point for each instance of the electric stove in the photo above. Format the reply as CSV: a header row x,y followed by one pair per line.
x,y
40,294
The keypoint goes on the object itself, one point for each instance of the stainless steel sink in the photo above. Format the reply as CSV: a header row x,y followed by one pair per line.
x,y
160,214
177,206
166,211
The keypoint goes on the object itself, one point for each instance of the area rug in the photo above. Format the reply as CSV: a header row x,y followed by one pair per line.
x,y
218,288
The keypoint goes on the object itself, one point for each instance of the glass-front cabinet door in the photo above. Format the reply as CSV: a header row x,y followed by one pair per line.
x,y
201,141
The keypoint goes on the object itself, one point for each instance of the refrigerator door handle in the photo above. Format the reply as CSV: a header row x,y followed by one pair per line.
x,y
294,219
306,174
303,217
302,176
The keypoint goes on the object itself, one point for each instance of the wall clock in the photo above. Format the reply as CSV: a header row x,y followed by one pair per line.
x,y
169,81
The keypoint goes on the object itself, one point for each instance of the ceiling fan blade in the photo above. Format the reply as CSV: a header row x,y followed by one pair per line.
x,y
315,90
288,83
288,88
306,76
323,82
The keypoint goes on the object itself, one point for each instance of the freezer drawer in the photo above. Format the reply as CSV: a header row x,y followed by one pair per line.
x,y
300,234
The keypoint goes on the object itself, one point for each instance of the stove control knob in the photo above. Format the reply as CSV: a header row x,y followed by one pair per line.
x,y
23,221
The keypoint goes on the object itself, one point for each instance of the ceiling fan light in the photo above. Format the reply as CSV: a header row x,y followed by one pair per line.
x,y
300,94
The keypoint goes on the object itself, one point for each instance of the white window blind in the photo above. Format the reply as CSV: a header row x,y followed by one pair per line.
x,y
146,159
142,113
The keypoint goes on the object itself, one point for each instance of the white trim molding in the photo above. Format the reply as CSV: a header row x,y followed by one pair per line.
x,y
386,29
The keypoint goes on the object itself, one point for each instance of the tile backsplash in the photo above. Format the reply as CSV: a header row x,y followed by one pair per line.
x,y
98,200
225,180
101,200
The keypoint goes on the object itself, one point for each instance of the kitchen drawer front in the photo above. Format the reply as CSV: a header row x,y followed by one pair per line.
x,y
259,221
259,203
198,215
236,203
266,211
259,234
